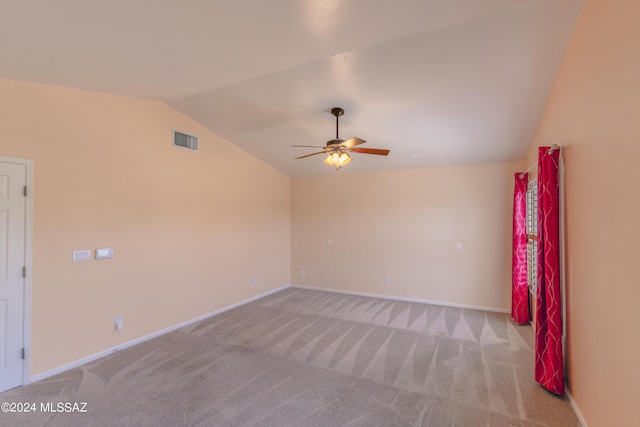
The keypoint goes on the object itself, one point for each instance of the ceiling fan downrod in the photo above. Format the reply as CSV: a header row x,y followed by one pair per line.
x,y
337,111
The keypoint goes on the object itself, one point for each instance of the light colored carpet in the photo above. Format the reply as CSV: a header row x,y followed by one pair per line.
x,y
311,358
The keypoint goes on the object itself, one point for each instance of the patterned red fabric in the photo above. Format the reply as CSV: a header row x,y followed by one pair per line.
x,y
549,370
519,289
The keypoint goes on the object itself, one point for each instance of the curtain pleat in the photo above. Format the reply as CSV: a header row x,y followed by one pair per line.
x,y
519,289
549,370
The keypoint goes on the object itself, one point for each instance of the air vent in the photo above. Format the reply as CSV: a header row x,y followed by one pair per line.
x,y
184,140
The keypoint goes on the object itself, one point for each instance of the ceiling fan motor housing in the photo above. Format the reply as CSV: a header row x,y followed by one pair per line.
x,y
333,142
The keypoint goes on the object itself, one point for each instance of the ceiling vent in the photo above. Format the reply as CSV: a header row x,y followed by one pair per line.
x,y
184,140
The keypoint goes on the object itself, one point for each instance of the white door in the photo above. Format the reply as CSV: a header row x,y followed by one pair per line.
x,y
12,262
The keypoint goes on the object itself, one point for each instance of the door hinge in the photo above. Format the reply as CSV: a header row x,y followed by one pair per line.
x,y
23,353
24,271
24,191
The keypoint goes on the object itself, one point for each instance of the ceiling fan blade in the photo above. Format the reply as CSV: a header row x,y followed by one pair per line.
x,y
309,146
352,142
309,155
370,151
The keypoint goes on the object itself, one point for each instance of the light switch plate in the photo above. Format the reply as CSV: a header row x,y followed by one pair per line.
x,y
104,253
83,255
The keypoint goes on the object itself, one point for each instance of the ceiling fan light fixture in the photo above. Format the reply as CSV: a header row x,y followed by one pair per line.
x,y
338,159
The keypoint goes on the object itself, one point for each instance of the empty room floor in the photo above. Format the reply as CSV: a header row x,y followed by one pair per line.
x,y
303,357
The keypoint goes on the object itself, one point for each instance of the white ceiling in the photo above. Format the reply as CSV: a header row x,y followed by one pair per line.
x,y
438,82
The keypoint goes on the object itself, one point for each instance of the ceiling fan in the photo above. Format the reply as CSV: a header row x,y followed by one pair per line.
x,y
339,149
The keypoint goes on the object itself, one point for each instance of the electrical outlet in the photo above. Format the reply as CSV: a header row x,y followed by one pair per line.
x,y
303,272
254,281
387,280
323,274
117,323
459,247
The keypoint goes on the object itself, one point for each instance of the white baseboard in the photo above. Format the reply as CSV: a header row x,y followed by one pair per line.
x,y
583,423
423,301
111,350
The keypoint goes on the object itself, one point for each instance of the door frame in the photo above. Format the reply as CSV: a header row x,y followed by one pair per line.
x,y
28,262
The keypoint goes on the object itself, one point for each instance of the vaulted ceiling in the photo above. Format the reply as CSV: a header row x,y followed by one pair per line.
x,y
438,82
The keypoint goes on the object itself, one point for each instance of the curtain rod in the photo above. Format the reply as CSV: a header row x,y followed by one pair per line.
x,y
551,150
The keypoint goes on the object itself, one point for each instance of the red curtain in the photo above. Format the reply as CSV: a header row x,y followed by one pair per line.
x,y
519,289
549,370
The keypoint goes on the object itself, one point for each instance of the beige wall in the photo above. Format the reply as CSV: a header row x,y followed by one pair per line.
x,y
189,229
594,111
405,225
